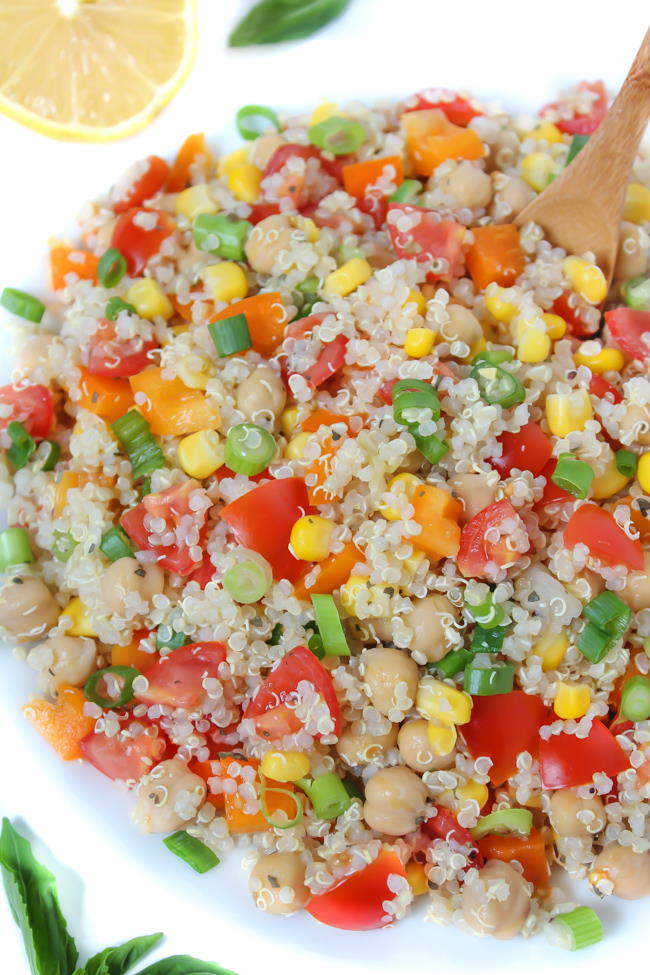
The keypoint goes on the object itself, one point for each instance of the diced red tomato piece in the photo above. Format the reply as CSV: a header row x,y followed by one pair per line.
x,y
177,678
356,903
123,756
297,665
260,211
457,109
277,722
205,571
445,826
566,761
598,386
136,244
552,493
429,238
596,528
588,122
303,327
33,406
173,507
478,554
263,519
145,186
627,326
108,355
328,362
294,185
528,450
568,307
501,727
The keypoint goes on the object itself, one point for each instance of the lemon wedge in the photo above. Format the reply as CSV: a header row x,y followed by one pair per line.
x,y
93,70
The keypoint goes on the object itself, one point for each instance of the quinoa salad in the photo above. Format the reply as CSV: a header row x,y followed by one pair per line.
x,y
327,485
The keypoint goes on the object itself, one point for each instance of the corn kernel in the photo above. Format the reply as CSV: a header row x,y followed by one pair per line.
x,y
643,472
413,561
442,737
555,326
200,454
605,360
194,370
244,181
82,625
419,342
545,130
473,790
348,277
324,111
533,345
417,298
551,648
439,701
536,168
401,483
637,203
232,159
194,200
288,420
417,878
350,590
310,538
226,281
609,482
285,766
571,700
585,278
499,305
295,447
566,412
308,227
148,299
475,348
376,602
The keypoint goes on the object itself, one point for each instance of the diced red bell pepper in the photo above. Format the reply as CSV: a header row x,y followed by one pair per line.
x,y
457,109
571,313
587,122
501,727
596,528
528,450
445,826
356,903
598,386
136,244
567,761
552,494
145,186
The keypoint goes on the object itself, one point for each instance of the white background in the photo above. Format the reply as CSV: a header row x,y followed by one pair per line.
x,y
115,883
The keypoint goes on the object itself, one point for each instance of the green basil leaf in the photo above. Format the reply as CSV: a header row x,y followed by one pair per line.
x,y
31,891
184,965
271,21
118,960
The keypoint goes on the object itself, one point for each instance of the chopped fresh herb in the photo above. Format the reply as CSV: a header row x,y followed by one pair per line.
x,y
272,21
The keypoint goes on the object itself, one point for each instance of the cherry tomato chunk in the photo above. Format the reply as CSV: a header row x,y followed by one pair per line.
x,y
123,756
137,243
177,678
630,329
597,529
527,450
108,355
144,186
33,406
356,902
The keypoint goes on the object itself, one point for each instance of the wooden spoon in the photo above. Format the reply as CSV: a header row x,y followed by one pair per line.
x,y
582,209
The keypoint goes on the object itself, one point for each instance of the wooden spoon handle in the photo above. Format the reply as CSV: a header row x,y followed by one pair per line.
x,y
630,111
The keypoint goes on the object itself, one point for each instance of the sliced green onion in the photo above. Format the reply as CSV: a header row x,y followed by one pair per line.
x,y
116,544
337,135
432,448
329,626
196,854
488,641
134,433
247,582
452,663
21,304
115,305
22,445
635,699
248,113
276,635
264,789
249,449
145,487
231,335
309,286
573,475
576,929
168,639
609,613
636,293
47,454
348,252
493,357
111,268
223,234
127,675
352,788
411,394
497,385
406,191
594,643
63,546
519,821
327,794
481,680
578,142
315,642
626,462
487,613
14,548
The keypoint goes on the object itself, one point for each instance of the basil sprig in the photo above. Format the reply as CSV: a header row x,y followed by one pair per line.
x,y
271,21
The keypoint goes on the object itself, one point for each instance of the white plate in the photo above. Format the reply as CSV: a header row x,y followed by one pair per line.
x,y
115,882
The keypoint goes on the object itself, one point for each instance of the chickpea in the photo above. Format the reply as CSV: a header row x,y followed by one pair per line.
x,y
482,904
628,871
632,259
159,794
63,660
262,396
636,591
268,239
384,668
277,883
469,185
395,801
27,608
474,491
359,749
463,326
415,750
634,425
261,150
565,806
511,199
125,578
430,619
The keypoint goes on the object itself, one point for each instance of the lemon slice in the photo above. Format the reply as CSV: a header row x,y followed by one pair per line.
x,y
93,70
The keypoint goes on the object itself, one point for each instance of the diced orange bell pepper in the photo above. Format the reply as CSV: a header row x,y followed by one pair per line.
x,y
327,418
357,177
530,851
334,571
438,514
266,317
184,310
75,479
208,770
431,139
131,655
320,469
239,821
188,155
495,255
71,260
62,724
171,407
104,396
